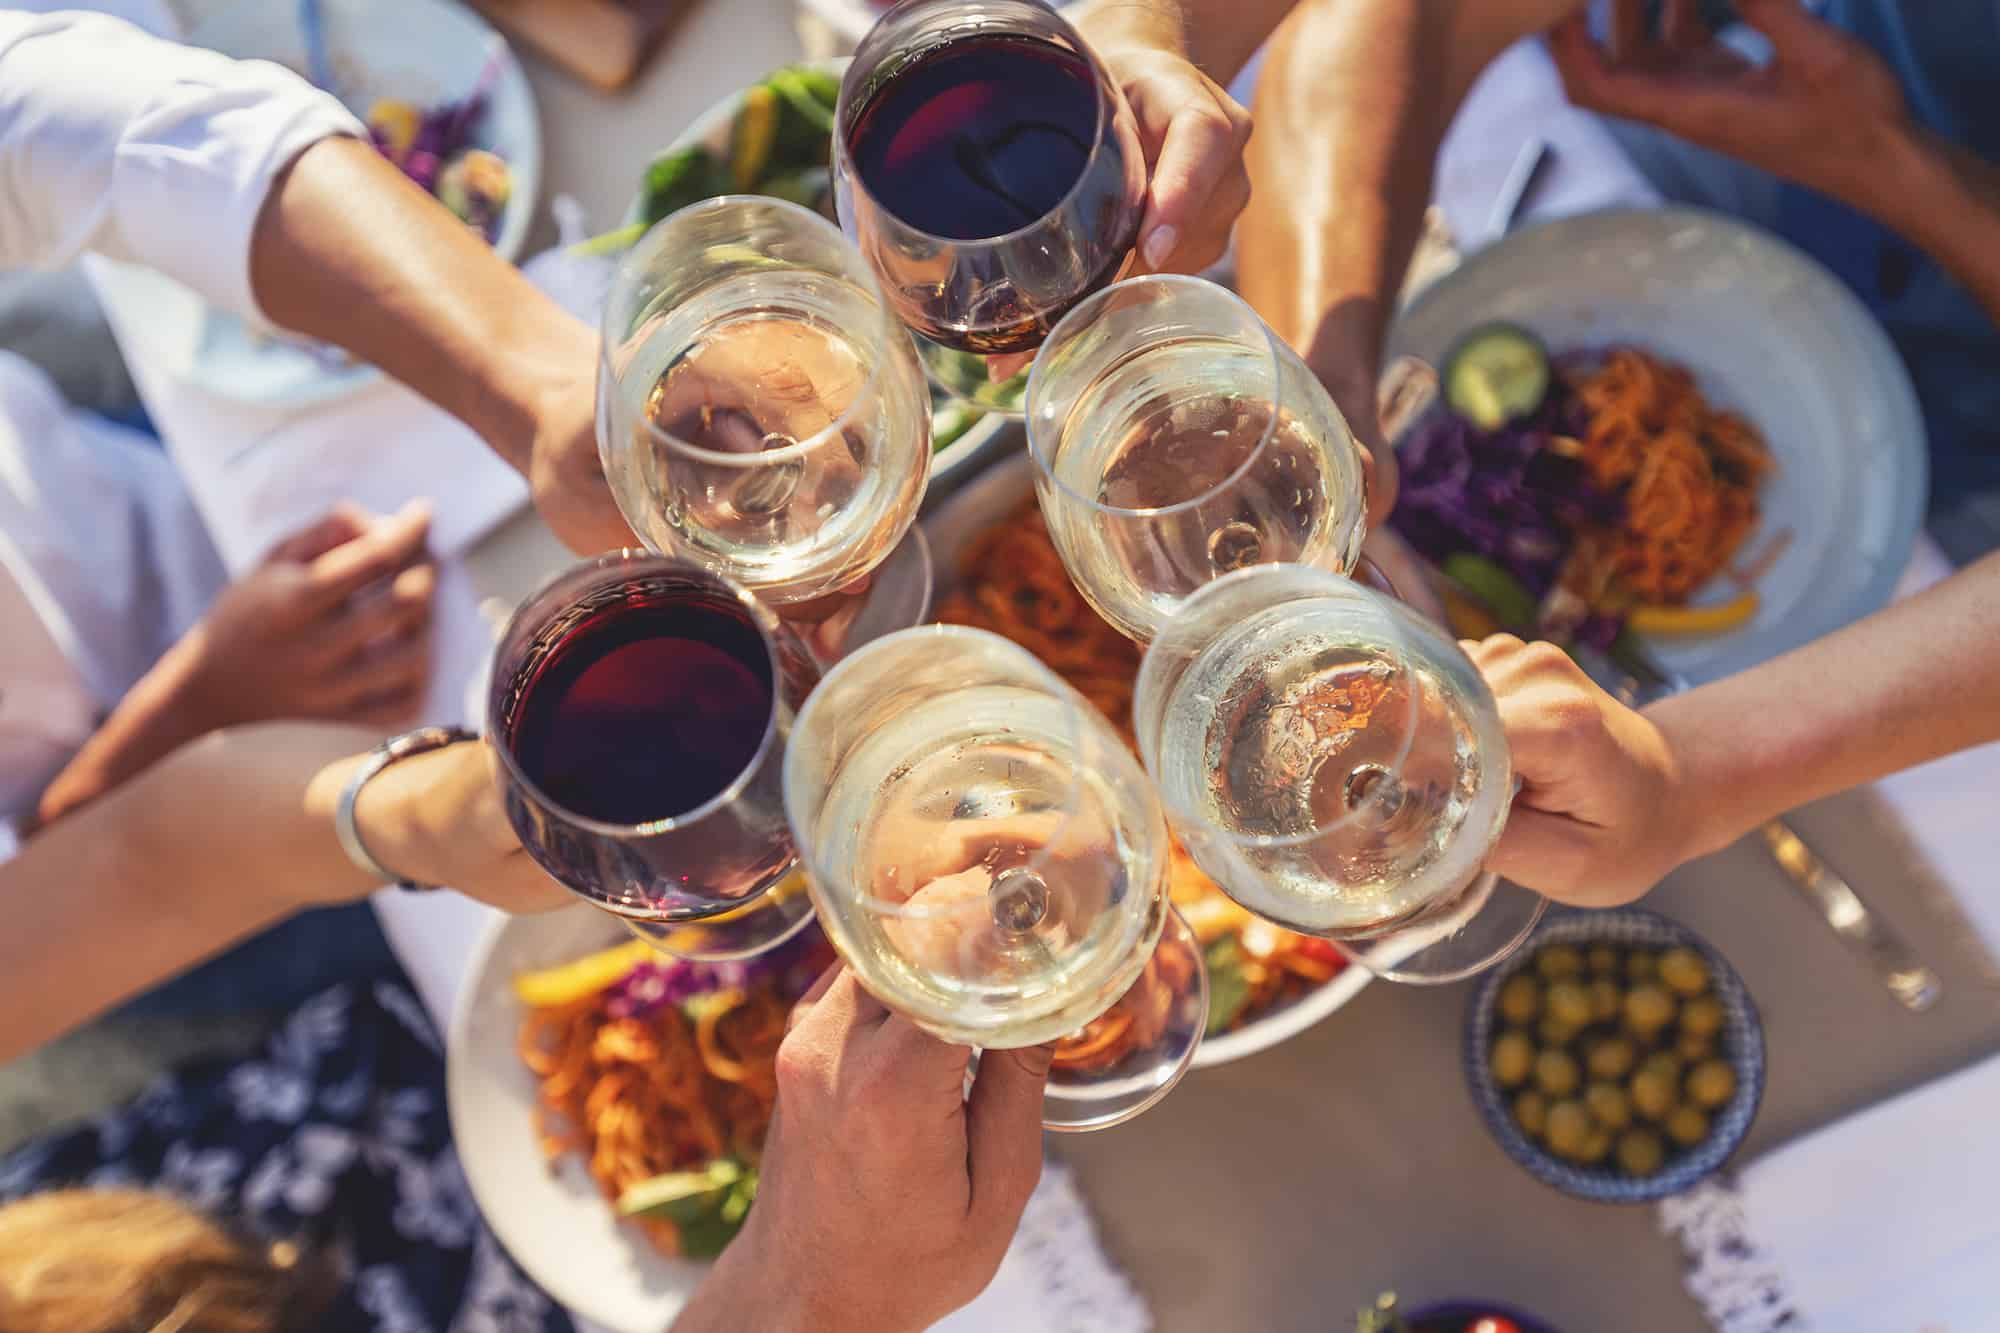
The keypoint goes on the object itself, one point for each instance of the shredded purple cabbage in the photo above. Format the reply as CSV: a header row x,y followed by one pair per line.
x,y
658,982
1501,494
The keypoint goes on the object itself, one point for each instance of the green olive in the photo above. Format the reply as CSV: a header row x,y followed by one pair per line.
x,y
1684,971
1693,1047
1520,999
1640,1152
1597,1147
1603,960
1513,1059
1608,1103
1556,1073
1665,1064
1648,1008
1712,1083
1559,962
1641,965
1568,1127
1612,1058
1653,1095
1552,1031
1531,1111
1569,1004
1703,1015
1687,1126
1606,1000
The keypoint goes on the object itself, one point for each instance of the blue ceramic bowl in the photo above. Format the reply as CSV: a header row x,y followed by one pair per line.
x,y
1741,1042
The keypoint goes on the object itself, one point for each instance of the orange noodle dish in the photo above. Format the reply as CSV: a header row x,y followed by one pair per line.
x,y
1011,581
660,1076
1576,497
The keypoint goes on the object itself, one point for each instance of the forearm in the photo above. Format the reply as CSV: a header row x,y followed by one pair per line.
x,y
156,717
348,251
221,839
1916,681
1947,203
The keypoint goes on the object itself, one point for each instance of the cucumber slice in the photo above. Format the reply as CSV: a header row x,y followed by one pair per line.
x,y
1495,374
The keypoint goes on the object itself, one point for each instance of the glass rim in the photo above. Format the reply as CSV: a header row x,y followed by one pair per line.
x,y
629,272
637,563
1332,585
1085,312
806,845
843,162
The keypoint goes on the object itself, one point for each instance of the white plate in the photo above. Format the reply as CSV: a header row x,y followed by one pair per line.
x,y
420,50
553,1221
711,129
1767,332
989,498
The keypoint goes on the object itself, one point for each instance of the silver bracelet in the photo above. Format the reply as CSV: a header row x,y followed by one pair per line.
x,y
421,741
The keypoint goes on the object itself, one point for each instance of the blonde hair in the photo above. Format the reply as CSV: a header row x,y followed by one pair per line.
x,y
124,1261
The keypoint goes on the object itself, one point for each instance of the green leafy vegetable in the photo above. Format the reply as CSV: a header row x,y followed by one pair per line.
x,y
678,179
707,1207
1228,988
1499,591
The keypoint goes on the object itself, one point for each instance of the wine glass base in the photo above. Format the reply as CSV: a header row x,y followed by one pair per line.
x,y
965,378
1491,919
1169,1001
762,924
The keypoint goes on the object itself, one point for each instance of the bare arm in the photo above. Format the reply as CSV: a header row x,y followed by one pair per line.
x,y
1352,103
227,836
1612,799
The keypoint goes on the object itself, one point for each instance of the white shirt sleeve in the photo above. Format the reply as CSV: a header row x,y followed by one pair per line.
x,y
143,150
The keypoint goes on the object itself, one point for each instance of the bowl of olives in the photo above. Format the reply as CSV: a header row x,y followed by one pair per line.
x,y
1616,1056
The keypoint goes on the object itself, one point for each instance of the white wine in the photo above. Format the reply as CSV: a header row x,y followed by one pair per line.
x,y
1352,783
772,445
1168,474
1005,890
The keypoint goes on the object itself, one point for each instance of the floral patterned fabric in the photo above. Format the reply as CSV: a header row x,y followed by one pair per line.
x,y
336,1137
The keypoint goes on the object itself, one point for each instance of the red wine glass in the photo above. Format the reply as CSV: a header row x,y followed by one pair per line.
x,y
639,707
991,172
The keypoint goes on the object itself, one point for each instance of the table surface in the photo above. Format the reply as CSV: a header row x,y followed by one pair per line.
x,y
1279,1193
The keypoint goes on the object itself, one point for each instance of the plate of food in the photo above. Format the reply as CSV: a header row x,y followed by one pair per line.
x,y
775,137
1662,426
443,98
997,570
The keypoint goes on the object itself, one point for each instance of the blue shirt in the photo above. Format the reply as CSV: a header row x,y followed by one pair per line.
x,y
1947,55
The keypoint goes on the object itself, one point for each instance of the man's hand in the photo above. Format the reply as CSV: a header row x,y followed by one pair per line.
x,y
1602,815
1826,112
888,1197
334,624
566,474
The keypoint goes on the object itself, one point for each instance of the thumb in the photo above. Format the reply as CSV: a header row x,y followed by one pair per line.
x,y
342,524
1004,1130
1541,851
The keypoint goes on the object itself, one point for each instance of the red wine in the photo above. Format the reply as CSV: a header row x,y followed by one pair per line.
x,y
979,136
646,709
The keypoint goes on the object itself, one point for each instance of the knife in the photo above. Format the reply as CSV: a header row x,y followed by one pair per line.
x,y
1635,679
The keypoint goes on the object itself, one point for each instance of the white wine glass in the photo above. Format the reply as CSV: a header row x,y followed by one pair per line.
x,y
761,412
988,857
1176,438
1336,764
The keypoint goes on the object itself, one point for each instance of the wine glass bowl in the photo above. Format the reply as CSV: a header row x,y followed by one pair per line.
x,y
639,707
760,410
989,169
1176,439
989,859
1337,765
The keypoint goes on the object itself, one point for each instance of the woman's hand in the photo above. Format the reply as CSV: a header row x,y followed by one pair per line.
x,y
888,1196
1603,813
1192,131
438,818
1826,112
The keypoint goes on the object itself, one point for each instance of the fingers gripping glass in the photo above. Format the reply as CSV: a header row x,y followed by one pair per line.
x,y
640,706
1337,765
1175,439
990,860
991,172
761,413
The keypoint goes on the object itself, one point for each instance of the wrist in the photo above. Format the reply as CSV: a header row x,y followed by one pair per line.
x,y
1127,25
1904,183
1699,814
531,378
